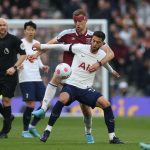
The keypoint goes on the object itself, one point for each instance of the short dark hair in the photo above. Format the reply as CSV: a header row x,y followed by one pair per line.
x,y
99,34
79,12
29,23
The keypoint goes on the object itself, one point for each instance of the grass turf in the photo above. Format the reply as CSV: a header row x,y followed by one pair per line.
x,y
68,134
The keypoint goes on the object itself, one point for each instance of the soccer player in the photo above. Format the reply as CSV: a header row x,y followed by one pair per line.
x,y
80,34
145,146
10,46
79,85
31,84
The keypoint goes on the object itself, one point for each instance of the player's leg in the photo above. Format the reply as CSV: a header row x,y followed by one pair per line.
x,y
49,95
8,117
30,104
86,110
109,119
28,93
7,91
56,111
39,90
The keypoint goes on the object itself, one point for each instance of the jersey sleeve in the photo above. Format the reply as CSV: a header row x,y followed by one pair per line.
x,y
102,54
75,48
60,36
20,48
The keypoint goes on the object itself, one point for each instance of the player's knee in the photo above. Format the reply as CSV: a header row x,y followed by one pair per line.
x,y
6,101
64,97
106,104
30,104
102,102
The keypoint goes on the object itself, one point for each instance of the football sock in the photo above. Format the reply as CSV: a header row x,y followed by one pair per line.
x,y
27,117
88,124
111,135
35,119
1,109
109,119
49,128
49,95
56,111
7,112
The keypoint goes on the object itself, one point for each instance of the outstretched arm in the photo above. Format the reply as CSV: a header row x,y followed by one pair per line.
x,y
38,53
111,70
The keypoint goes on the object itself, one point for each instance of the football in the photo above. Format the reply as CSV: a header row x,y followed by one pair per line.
x,y
63,70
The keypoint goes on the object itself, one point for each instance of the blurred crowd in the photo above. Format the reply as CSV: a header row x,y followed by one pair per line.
x,y
129,33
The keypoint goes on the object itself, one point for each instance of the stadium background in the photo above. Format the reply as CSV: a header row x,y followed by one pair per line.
x,y
128,35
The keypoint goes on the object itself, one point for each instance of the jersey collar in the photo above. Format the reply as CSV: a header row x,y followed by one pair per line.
x,y
84,34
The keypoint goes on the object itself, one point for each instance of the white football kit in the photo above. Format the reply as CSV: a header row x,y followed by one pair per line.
x,y
83,59
30,71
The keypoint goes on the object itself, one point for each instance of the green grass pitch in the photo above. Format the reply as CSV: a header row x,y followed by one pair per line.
x,y
68,134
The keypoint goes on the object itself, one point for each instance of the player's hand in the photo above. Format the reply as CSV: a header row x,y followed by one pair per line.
x,y
94,67
36,47
10,71
45,68
115,74
31,58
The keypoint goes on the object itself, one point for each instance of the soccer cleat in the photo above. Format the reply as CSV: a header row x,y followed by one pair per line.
x,y
34,132
45,136
39,113
116,140
3,135
26,134
89,139
145,146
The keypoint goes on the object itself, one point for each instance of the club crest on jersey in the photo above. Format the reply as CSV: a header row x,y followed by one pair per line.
x,y
6,51
88,40
73,38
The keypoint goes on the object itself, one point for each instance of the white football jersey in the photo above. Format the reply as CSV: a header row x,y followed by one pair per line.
x,y
30,71
82,60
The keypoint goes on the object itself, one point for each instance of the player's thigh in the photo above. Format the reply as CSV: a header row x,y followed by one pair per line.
x,y
102,102
67,94
28,91
89,97
40,90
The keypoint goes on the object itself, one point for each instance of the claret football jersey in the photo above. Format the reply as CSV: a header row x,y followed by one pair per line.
x,y
70,36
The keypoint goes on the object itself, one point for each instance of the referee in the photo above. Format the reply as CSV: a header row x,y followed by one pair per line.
x,y
10,46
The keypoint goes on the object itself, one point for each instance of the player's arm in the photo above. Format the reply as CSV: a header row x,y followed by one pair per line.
x,y
109,56
13,69
111,70
38,53
20,60
43,47
45,68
